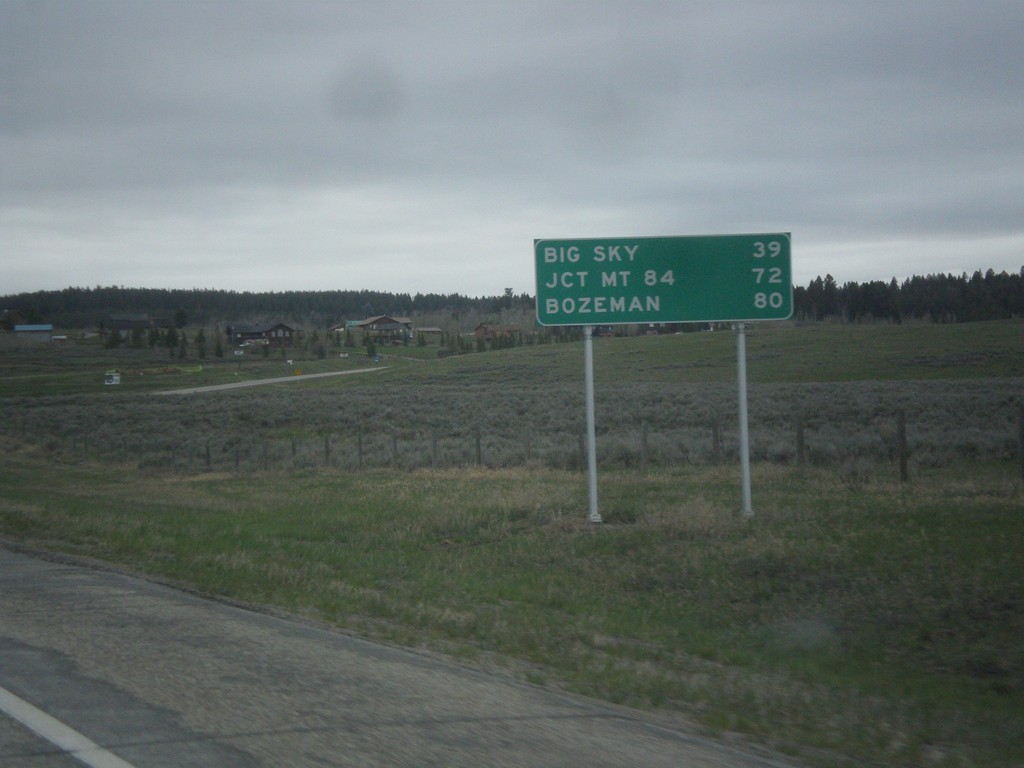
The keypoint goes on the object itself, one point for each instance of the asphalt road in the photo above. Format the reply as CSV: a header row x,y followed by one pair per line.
x,y
153,676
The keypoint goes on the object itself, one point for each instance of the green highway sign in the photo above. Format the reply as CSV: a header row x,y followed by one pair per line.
x,y
616,280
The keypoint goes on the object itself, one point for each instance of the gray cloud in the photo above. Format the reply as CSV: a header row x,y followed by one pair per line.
x,y
169,128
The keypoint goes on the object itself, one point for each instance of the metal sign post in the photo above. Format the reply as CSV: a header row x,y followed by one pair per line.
x,y
588,373
741,371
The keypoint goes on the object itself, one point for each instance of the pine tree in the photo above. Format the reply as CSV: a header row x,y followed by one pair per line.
x,y
200,341
171,340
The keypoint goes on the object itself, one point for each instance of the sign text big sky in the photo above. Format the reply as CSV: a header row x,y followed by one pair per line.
x,y
601,281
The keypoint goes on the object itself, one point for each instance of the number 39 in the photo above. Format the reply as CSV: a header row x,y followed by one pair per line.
x,y
772,250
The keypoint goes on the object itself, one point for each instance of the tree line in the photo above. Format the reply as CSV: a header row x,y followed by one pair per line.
x,y
942,298
91,307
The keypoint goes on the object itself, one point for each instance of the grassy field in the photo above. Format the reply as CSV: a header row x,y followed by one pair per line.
x,y
661,401
855,620
776,353
849,623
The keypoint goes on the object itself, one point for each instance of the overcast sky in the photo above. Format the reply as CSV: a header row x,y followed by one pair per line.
x,y
420,147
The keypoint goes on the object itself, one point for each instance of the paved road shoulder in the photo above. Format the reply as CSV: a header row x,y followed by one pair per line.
x,y
157,676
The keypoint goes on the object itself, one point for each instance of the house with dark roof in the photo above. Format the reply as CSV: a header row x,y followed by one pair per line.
x,y
384,328
275,334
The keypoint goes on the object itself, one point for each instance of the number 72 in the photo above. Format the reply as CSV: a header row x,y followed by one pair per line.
x,y
774,274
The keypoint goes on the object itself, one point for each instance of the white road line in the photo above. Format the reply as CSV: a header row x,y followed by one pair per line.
x,y
54,731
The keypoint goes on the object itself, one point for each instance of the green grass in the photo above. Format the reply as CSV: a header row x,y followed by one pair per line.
x,y
71,369
821,353
854,621
851,622
776,352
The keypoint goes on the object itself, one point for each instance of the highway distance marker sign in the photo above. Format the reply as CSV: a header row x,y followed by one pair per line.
x,y
700,278
704,278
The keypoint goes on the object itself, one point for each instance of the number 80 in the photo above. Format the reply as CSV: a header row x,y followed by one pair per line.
x,y
764,300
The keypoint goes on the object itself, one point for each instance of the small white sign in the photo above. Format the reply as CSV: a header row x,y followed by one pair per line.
x,y
112,378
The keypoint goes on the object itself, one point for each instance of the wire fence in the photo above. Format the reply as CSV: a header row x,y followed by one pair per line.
x,y
895,438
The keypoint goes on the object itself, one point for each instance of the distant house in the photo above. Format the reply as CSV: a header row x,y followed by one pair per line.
x,y
275,334
385,328
281,335
41,333
345,326
489,332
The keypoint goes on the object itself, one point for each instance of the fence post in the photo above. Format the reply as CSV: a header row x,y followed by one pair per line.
x,y
394,446
238,458
901,440
643,444
433,448
529,445
327,449
479,449
359,447
1020,441
800,452
716,443
265,456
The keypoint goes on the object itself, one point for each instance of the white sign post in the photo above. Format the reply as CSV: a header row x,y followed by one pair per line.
x,y
588,373
741,375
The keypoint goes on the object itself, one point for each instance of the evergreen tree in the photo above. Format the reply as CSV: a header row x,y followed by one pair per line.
x,y
200,341
171,340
